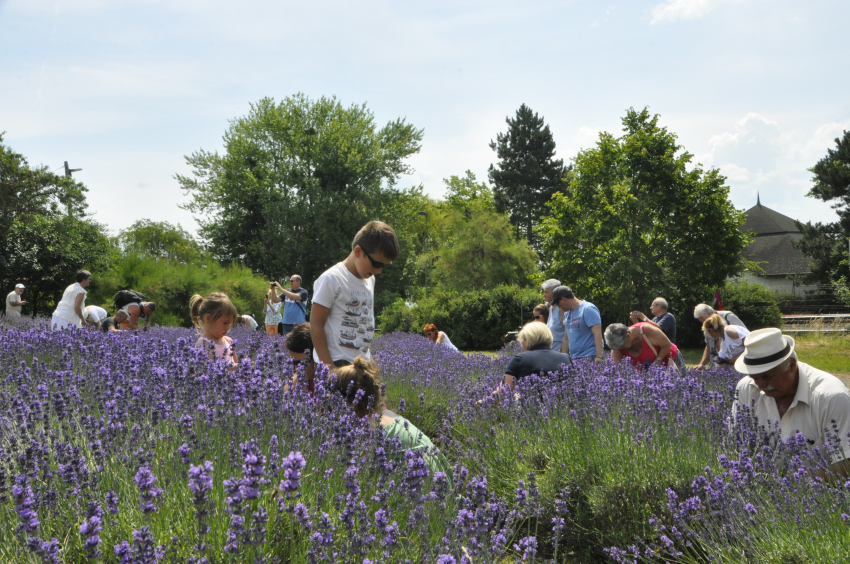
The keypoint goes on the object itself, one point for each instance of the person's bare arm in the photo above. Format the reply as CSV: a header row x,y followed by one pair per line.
x,y
318,320
441,337
147,317
617,356
659,340
640,317
597,338
78,308
706,355
133,320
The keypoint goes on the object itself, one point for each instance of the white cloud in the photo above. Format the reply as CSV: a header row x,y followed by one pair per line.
x,y
758,156
673,10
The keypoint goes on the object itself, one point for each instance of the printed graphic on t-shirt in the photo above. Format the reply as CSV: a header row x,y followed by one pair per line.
x,y
575,323
357,327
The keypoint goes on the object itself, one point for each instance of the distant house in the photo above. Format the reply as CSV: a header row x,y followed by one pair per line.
x,y
783,265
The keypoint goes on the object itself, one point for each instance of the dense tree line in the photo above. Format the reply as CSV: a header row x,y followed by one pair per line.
x,y
46,234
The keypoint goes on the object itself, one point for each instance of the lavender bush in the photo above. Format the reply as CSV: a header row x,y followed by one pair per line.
x,y
138,448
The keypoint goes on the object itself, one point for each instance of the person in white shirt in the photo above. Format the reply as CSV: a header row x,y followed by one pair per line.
x,y
799,398
95,315
70,309
342,320
438,337
731,337
712,346
14,303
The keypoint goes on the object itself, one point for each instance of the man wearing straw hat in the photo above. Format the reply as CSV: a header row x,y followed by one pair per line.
x,y
800,397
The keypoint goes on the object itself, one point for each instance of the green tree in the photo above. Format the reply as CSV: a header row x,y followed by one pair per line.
x,y
161,241
827,243
471,245
527,174
45,234
639,224
296,181
465,193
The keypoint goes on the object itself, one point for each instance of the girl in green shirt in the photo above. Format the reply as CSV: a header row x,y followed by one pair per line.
x,y
363,375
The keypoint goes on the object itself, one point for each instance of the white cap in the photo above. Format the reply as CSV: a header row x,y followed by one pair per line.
x,y
21,286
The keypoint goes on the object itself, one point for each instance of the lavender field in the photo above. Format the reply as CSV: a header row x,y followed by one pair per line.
x,y
136,448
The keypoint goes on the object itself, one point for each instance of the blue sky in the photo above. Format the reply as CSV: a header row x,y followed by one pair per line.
x,y
125,89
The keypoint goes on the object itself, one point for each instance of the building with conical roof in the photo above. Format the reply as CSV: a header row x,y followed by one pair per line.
x,y
783,264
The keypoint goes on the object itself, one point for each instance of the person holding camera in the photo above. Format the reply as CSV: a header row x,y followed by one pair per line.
x,y
294,302
272,311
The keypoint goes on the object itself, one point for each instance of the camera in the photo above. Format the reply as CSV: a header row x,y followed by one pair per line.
x,y
271,284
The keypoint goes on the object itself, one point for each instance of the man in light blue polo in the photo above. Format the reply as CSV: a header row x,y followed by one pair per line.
x,y
583,324
295,303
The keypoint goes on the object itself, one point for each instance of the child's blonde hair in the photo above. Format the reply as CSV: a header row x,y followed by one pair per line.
x,y
215,305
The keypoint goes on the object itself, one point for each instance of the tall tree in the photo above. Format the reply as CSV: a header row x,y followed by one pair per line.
x,y
527,174
297,179
161,240
471,245
827,243
45,233
641,222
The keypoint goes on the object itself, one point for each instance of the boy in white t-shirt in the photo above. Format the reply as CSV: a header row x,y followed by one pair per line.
x,y
342,319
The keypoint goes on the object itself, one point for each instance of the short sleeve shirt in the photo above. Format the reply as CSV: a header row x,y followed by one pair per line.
x,y
668,325
350,326
107,323
293,314
820,399
65,308
578,323
537,360
13,298
95,313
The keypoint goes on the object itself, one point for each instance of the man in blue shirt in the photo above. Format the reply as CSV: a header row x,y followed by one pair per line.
x,y
295,300
582,322
663,319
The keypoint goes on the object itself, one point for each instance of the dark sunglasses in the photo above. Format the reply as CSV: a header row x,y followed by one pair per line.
x,y
376,264
538,317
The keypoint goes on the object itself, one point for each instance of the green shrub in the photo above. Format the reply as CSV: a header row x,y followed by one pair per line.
x,y
753,303
171,284
473,320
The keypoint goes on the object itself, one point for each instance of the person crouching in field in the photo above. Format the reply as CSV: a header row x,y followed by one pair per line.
x,y
360,385
114,323
792,397
299,345
644,344
438,337
213,316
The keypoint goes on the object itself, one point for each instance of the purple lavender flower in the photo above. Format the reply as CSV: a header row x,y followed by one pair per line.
x,y
112,503
89,530
22,493
184,451
291,483
145,480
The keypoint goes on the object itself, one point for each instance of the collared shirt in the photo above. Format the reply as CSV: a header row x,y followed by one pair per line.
x,y
820,398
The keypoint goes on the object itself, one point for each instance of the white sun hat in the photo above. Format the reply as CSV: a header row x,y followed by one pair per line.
x,y
21,286
764,349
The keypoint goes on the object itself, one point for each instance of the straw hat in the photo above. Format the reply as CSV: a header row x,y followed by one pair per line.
x,y
763,350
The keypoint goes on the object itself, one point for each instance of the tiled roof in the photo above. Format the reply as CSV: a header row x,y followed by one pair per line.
x,y
771,246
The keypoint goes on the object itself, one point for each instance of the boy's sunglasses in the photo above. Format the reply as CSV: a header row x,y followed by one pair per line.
x,y
538,317
376,264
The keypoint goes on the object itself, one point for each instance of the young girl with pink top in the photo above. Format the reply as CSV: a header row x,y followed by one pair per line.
x,y
213,316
